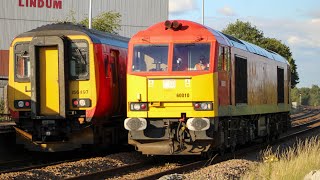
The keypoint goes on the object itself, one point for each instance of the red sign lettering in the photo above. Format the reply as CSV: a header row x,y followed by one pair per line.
x,y
40,3
33,3
57,4
50,4
20,3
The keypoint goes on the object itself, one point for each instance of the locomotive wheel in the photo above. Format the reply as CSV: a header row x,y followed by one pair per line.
x,y
233,148
222,150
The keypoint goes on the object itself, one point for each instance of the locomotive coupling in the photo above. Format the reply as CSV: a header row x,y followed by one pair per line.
x,y
135,124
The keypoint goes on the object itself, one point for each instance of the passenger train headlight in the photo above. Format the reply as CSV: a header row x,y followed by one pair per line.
x,y
198,124
22,104
81,102
203,106
135,124
138,106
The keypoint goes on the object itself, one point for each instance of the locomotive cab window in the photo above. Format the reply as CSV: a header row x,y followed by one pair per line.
x,y
22,63
150,58
191,57
79,64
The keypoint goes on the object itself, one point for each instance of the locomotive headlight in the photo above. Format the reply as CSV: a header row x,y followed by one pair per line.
x,y
203,106
198,124
135,124
138,106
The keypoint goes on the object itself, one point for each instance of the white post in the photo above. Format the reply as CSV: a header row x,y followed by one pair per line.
x,y
90,14
202,12
300,100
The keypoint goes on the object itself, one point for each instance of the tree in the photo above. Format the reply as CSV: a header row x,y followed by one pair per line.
x,y
314,96
294,72
247,32
295,95
106,22
276,46
244,31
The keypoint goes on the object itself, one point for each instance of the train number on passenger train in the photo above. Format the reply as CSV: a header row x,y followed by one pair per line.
x,y
80,92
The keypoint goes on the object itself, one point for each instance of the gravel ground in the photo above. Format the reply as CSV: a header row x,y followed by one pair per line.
x,y
146,172
232,169
71,169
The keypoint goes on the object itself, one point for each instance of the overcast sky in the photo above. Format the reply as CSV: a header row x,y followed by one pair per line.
x,y
295,22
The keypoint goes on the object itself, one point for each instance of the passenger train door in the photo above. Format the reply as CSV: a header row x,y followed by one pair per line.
x,y
47,77
48,80
115,79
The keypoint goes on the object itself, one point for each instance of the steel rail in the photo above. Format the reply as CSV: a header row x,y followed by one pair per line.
x,y
119,171
201,164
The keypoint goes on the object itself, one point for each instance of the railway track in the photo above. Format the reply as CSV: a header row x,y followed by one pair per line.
x,y
30,167
37,161
307,114
122,171
119,172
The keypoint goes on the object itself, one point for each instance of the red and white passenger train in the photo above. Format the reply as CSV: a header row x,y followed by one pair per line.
x,y
67,87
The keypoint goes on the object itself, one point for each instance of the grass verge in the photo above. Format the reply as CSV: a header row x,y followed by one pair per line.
x,y
293,163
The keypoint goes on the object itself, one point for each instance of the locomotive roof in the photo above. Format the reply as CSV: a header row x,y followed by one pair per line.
x,y
159,32
246,46
67,28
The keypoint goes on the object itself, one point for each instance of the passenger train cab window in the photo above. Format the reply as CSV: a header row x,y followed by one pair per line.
x,y
79,64
22,63
150,58
191,57
224,60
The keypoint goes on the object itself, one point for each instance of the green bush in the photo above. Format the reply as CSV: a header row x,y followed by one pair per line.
x,y
1,106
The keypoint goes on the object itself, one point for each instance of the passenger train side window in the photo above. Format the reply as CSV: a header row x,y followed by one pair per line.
x,y
106,66
114,60
79,64
224,60
22,63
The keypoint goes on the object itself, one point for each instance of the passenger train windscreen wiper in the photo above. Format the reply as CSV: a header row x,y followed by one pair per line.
x,y
81,57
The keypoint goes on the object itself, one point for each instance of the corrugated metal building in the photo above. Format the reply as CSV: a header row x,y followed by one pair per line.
x,y
18,16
